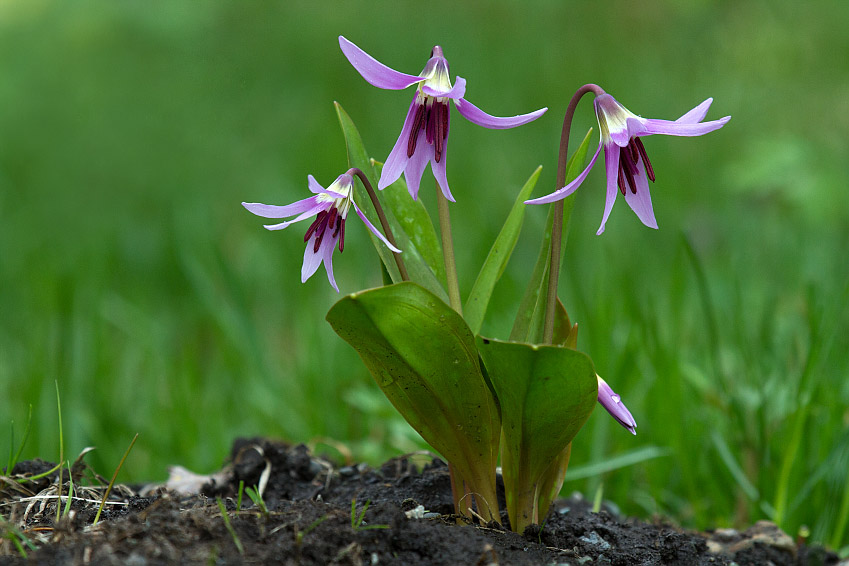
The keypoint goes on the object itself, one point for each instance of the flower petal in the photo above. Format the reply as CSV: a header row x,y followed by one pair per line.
x,y
670,128
456,92
373,71
374,230
313,185
273,211
311,260
439,172
640,202
417,163
612,403
477,116
611,165
326,252
571,187
697,114
397,160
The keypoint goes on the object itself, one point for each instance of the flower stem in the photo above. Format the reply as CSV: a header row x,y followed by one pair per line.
x,y
384,223
448,252
557,228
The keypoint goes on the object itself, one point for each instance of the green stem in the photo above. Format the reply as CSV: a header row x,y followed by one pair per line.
x,y
448,252
384,223
557,228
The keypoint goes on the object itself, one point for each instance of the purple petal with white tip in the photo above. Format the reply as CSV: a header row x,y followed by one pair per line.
x,y
477,116
373,71
612,403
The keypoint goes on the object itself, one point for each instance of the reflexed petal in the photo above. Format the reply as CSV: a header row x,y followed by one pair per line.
x,y
670,128
417,163
273,211
570,188
697,114
439,173
373,70
611,165
374,230
311,260
326,253
313,185
640,202
456,92
397,160
477,116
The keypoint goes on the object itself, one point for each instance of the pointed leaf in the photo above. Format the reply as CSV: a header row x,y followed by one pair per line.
x,y
417,267
499,255
546,395
526,328
423,356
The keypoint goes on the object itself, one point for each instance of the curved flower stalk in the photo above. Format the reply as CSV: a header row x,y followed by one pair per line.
x,y
613,405
424,136
330,206
628,167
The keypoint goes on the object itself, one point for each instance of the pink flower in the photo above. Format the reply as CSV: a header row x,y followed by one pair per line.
x,y
628,167
330,206
613,404
424,136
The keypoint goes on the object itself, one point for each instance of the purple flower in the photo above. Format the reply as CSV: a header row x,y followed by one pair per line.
x,y
628,166
424,136
331,205
612,403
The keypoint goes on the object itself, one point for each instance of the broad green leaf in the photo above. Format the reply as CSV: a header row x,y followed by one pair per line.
x,y
423,356
528,327
546,395
414,219
417,267
476,305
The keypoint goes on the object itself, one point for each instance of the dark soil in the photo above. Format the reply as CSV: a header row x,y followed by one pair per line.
x,y
407,520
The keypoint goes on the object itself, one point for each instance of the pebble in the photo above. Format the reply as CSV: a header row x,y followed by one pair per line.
x,y
593,539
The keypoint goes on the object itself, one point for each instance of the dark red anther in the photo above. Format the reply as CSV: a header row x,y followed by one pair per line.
x,y
439,134
341,228
414,131
430,124
331,222
319,232
314,226
620,180
649,171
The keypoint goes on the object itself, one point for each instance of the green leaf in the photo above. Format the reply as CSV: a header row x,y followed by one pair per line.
x,y
418,269
423,356
530,317
546,395
499,255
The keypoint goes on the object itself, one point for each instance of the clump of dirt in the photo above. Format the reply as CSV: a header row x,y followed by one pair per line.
x,y
401,514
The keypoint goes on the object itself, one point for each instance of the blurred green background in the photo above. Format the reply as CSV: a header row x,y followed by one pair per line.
x,y
130,274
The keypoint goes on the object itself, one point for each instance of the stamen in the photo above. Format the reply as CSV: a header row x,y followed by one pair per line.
x,y
414,132
319,232
620,180
628,167
341,228
430,124
438,109
649,171
314,226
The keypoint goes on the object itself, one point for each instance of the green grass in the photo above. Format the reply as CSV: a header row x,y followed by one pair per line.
x,y
130,274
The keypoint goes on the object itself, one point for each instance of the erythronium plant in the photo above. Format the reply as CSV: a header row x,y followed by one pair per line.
x,y
474,398
424,136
